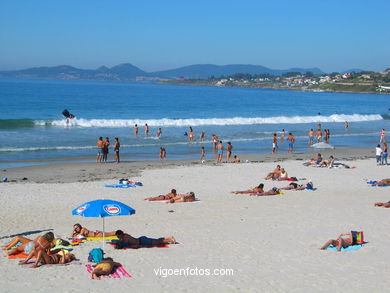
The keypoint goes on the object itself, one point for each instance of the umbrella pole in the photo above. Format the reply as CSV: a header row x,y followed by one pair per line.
x,y
103,235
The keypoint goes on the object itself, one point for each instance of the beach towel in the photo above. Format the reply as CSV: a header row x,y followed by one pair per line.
x,y
349,248
19,255
62,247
101,238
117,273
139,246
119,185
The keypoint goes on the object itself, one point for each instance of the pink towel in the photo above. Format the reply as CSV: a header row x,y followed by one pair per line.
x,y
118,273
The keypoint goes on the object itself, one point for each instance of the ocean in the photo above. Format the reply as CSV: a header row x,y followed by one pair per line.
x,y
33,130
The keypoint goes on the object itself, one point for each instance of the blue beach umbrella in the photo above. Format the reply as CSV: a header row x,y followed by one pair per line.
x,y
102,208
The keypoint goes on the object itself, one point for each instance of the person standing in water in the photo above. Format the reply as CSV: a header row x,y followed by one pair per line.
x,y
191,134
159,132
346,125
146,129
290,142
202,154
201,137
106,144
311,134
219,152
136,130
282,135
274,143
117,145
229,149
100,144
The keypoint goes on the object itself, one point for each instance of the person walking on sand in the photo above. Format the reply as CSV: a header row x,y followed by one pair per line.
x,y
201,137
146,129
117,145
378,155
274,143
136,130
100,144
229,149
219,152
290,143
311,134
202,154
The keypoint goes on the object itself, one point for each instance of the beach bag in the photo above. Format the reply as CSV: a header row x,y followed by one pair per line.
x,y
95,255
358,236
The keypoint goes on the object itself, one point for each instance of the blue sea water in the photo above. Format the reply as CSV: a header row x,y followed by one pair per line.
x,y
32,127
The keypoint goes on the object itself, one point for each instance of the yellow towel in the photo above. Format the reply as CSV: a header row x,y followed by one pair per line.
x,y
101,238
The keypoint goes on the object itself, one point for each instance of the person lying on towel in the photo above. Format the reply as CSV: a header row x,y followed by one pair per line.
x,y
62,257
383,182
343,241
169,195
295,186
78,230
28,246
126,240
104,267
259,189
382,204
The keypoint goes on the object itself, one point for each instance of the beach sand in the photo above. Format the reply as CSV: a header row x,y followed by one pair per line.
x,y
271,243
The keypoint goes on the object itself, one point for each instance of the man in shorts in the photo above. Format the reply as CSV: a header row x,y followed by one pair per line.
x,y
100,145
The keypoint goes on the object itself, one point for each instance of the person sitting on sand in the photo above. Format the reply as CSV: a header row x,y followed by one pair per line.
x,y
273,191
236,159
295,186
258,189
314,161
328,163
188,197
57,258
343,241
170,195
382,204
78,230
383,182
275,174
283,175
29,246
126,240
104,267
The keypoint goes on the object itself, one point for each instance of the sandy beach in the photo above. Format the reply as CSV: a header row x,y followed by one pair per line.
x,y
264,244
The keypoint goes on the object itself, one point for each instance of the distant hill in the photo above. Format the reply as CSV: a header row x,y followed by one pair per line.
x,y
208,70
357,70
129,72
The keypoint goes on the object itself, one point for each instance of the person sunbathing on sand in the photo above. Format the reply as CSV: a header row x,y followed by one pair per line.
x,y
170,195
383,182
343,241
188,197
29,246
104,267
295,186
258,189
382,204
275,174
273,191
57,258
78,230
128,240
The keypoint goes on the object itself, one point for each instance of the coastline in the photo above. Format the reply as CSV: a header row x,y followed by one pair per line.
x,y
74,171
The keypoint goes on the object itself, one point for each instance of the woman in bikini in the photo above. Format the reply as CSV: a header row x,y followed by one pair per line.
x,y
79,230
105,267
58,258
170,195
343,241
258,189
28,246
188,197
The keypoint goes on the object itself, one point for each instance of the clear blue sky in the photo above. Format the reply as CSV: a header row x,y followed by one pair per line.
x,y
333,35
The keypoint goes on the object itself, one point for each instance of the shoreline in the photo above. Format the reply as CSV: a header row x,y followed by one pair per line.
x,y
74,171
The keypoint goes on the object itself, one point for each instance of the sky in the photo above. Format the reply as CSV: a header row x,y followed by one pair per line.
x,y
154,35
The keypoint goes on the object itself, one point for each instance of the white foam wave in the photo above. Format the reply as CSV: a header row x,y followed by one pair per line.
x,y
167,122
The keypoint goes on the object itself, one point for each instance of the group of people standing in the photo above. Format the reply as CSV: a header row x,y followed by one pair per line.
x,y
320,136
103,150
290,141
